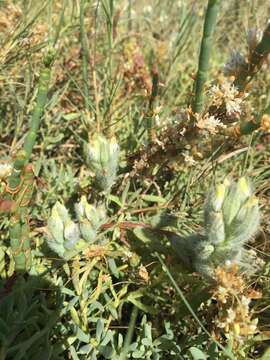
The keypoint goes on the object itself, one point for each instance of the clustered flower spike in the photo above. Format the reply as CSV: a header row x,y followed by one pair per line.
x,y
231,218
102,157
226,93
209,124
66,237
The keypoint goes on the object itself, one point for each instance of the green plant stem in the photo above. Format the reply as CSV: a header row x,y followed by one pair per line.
x,y
150,114
21,181
256,59
85,57
19,230
23,156
38,111
206,45
130,332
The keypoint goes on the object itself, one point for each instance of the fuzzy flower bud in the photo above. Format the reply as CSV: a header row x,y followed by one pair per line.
x,y
102,157
232,217
63,233
90,219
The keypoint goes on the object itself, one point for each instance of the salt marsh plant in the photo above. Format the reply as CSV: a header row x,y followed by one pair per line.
x,y
19,185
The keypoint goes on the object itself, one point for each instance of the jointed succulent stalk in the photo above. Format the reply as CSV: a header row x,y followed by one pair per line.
x,y
206,45
19,230
231,218
20,183
255,61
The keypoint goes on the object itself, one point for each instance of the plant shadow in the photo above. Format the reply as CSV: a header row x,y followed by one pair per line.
x,y
29,310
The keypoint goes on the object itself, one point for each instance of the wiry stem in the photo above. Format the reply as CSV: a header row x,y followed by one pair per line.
x,y
150,114
206,44
256,59
85,57
130,332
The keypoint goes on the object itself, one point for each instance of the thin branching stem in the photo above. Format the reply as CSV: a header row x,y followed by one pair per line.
x,y
253,64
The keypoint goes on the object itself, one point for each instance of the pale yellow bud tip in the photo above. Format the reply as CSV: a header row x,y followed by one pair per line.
x,y
220,191
244,186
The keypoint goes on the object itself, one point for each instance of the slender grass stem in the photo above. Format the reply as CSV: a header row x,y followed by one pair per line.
x,y
206,45
85,58
130,332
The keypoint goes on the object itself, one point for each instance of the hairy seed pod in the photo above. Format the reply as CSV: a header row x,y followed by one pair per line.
x,y
88,233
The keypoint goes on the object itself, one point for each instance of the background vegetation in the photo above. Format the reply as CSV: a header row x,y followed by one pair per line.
x,y
70,70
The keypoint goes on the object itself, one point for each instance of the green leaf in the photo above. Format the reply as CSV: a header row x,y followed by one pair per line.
x,y
145,235
113,268
116,200
73,353
71,116
82,336
153,198
99,329
197,354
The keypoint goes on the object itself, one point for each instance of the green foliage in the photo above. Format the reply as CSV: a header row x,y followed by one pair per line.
x,y
26,321
87,266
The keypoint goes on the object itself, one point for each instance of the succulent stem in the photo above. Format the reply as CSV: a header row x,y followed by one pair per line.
x,y
206,45
21,181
